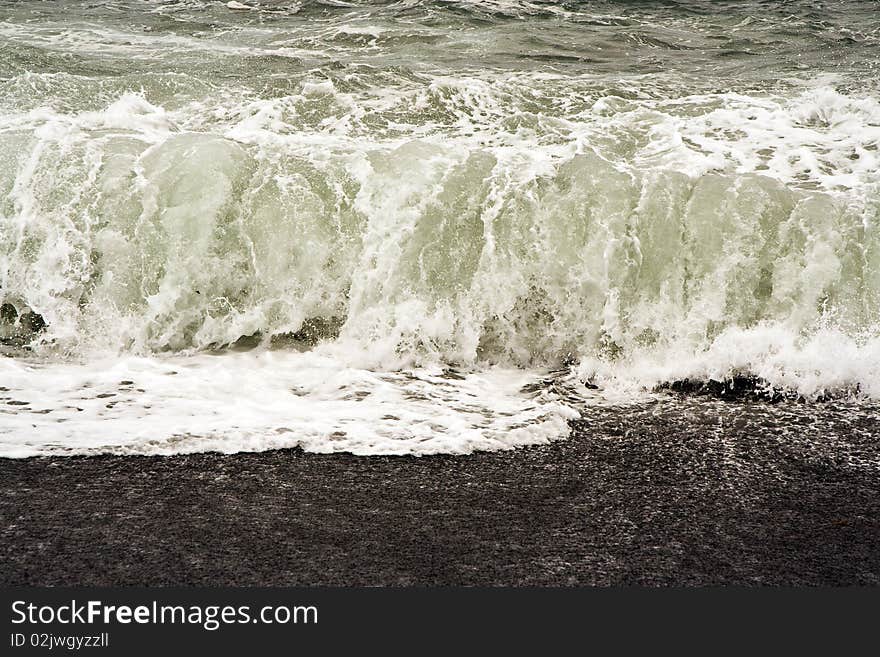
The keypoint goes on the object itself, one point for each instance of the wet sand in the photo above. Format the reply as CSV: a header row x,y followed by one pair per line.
x,y
688,491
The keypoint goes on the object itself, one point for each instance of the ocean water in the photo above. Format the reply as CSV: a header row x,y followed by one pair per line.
x,y
427,227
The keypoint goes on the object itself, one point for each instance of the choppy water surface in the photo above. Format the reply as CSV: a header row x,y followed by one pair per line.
x,y
421,227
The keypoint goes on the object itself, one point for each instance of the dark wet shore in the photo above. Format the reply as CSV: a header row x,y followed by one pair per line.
x,y
683,492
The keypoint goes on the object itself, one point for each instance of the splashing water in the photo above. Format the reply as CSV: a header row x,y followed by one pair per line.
x,y
324,226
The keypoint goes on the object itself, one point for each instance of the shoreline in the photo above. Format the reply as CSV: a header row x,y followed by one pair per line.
x,y
695,492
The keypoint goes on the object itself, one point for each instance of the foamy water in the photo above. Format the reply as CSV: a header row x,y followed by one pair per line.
x,y
432,225
251,402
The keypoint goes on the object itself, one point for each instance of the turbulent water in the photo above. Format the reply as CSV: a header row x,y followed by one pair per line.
x,y
421,227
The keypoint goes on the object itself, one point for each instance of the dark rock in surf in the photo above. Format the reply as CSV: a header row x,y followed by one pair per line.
x,y
8,313
737,388
31,323
17,330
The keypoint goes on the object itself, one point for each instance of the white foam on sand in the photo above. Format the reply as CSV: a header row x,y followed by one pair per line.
x,y
258,400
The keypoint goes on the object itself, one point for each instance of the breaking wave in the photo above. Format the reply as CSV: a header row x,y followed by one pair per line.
x,y
625,232
621,234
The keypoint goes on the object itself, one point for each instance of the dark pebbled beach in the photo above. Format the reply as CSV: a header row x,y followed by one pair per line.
x,y
684,491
